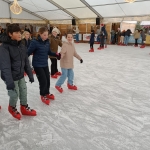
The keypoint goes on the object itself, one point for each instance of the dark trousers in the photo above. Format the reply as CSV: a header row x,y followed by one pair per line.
x,y
136,43
42,74
102,41
53,66
91,45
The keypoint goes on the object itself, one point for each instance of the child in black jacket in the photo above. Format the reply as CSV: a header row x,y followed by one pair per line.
x,y
13,62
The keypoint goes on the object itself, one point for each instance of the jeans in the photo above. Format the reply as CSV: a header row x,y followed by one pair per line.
x,y
112,38
91,45
43,77
126,40
66,73
19,91
77,37
136,42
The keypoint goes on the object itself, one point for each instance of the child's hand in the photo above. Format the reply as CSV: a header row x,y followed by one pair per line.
x,y
81,61
58,55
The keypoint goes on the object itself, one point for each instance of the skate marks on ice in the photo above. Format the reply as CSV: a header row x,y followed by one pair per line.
x,y
109,111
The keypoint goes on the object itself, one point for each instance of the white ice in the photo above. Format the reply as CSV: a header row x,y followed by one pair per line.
x,y
109,111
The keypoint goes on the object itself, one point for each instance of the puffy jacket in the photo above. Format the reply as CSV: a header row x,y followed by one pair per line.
x,y
13,61
40,50
92,38
128,32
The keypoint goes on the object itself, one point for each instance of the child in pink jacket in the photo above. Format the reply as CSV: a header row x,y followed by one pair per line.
x,y
66,63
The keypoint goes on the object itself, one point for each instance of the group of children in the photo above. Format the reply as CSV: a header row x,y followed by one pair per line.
x,y
14,61
103,37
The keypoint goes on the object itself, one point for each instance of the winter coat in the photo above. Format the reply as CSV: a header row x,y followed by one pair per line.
x,y
26,43
128,32
14,62
67,53
123,33
54,43
136,34
143,36
40,50
92,38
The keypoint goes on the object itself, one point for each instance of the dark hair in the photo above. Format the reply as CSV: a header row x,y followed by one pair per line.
x,y
13,28
41,31
92,31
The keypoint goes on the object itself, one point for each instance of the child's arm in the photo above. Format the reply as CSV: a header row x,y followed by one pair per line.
x,y
28,69
76,55
60,43
63,51
32,48
5,66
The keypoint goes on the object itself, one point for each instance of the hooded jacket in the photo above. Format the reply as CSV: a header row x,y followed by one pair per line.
x,y
67,53
13,61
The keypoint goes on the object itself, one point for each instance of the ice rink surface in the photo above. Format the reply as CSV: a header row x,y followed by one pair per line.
x,y
110,110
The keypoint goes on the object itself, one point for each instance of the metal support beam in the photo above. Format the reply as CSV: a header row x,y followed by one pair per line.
x,y
91,8
26,10
63,9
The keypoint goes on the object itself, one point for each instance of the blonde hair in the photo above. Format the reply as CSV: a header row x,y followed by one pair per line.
x,y
24,33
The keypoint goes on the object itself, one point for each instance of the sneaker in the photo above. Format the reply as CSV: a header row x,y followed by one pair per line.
x,y
59,89
50,96
45,100
13,111
25,110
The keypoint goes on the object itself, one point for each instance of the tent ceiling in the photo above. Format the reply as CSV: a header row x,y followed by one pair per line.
x,y
67,9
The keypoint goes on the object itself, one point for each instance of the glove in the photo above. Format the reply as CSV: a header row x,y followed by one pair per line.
x,y
58,55
31,80
11,86
81,61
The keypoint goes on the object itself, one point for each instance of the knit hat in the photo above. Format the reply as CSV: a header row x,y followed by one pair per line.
x,y
55,30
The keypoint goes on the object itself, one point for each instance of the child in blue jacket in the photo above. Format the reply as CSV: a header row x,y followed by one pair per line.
x,y
92,39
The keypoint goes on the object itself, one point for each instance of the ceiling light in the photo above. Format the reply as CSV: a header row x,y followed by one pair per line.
x,y
130,1
16,8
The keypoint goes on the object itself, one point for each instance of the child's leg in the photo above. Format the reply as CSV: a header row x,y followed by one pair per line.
x,y
22,92
13,94
53,65
63,77
40,73
56,69
70,76
46,70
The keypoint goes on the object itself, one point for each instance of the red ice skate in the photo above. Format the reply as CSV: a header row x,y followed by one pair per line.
x,y
13,111
25,74
25,110
71,87
99,48
58,73
45,100
59,88
142,46
91,50
50,96
54,76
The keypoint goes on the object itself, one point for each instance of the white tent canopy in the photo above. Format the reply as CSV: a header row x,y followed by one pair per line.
x,y
54,10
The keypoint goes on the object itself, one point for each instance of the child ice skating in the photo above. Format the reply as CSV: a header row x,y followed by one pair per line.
x,y
14,61
40,48
54,43
66,63
92,39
